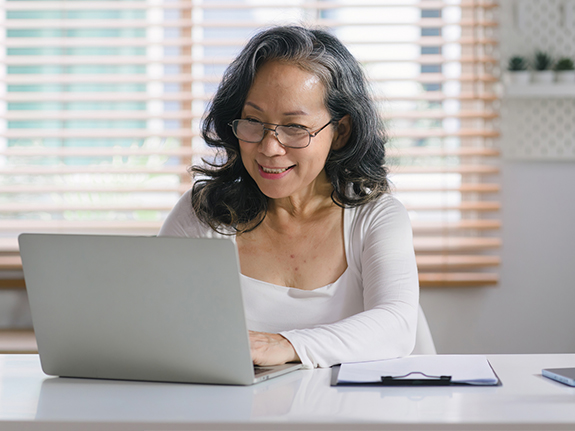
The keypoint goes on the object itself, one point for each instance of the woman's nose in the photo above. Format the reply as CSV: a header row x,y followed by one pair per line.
x,y
270,145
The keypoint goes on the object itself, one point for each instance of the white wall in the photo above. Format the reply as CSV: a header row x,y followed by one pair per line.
x,y
533,308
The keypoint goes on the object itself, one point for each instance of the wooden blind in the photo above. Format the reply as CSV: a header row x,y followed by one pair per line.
x,y
101,102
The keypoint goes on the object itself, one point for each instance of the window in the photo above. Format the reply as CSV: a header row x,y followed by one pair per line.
x,y
101,103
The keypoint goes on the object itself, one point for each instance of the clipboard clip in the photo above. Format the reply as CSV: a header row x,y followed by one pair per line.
x,y
428,381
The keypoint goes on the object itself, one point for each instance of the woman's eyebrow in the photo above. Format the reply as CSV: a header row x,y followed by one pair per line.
x,y
287,114
253,105
295,113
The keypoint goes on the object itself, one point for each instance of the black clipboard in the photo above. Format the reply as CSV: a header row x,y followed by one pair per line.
x,y
403,381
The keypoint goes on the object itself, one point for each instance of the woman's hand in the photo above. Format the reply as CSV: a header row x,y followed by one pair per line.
x,y
271,349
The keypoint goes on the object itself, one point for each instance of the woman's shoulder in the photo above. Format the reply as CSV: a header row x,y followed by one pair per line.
x,y
385,206
380,226
384,217
182,221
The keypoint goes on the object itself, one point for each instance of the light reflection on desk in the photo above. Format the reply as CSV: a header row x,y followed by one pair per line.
x,y
297,396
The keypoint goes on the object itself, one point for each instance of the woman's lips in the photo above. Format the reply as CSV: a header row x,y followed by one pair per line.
x,y
273,173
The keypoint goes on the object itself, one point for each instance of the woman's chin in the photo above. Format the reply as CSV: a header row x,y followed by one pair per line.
x,y
274,193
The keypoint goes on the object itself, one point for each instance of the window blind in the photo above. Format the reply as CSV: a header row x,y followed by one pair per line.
x,y
100,105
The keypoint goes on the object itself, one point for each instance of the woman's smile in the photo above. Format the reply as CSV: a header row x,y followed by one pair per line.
x,y
274,173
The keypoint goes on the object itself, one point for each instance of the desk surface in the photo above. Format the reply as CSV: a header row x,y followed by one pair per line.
x,y
303,400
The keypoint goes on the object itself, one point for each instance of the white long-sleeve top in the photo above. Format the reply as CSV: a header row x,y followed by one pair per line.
x,y
369,313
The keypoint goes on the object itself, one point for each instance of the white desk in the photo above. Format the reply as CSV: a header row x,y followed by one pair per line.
x,y
30,400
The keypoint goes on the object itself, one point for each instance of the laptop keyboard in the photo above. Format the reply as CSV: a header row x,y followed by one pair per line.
x,y
259,370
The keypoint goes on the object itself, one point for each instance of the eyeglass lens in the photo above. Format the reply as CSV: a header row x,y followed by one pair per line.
x,y
254,131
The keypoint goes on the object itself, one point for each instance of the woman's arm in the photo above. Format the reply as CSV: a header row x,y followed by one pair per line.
x,y
386,329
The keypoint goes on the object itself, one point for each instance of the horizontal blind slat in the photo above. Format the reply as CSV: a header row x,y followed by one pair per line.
x,y
187,151
118,133
67,169
132,168
15,207
450,262
84,226
435,244
458,279
238,42
81,206
425,262
104,97
95,133
68,79
463,206
130,225
102,115
104,170
440,115
183,5
457,244
458,225
11,283
71,206
144,115
122,96
442,133
96,151
464,188
89,188
460,169
428,152
75,60
183,23
21,24
10,263
14,262
425,280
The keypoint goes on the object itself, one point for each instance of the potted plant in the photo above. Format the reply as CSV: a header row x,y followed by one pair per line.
x,y
517,70
564,70
543,68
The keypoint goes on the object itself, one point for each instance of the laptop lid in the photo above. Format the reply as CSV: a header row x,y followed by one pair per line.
x,y
138,308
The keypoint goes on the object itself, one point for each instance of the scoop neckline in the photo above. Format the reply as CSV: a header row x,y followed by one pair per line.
x,y
346,234
288,288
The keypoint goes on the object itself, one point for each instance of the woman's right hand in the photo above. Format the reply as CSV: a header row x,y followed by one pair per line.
x,y
271,349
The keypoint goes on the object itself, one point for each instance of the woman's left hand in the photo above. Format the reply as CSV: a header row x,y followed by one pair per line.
x,y
271,349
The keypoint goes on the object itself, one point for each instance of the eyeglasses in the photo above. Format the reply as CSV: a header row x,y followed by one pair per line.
x,y
253,131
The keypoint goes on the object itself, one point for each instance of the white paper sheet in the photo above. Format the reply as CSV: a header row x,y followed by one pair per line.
x,y
470,369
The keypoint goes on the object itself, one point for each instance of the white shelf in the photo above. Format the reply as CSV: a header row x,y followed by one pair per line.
x,y
539,91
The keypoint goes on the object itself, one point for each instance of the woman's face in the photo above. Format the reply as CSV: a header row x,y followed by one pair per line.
x,y
285,94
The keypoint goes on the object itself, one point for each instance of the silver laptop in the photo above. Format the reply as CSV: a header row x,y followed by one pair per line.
x,y
139,308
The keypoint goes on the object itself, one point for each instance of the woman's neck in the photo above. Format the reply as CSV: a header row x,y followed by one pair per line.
x,y
305,204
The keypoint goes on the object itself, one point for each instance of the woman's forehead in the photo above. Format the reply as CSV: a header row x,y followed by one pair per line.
x,y
288,85
277,73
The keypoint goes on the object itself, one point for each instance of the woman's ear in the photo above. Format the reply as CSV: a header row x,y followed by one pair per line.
x,y
342,133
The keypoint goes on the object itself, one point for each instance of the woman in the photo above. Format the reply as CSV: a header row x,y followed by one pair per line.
x,y
326,254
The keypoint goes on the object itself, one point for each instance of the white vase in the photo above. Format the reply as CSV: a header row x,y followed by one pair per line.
x,y
565,76
543,76
521,77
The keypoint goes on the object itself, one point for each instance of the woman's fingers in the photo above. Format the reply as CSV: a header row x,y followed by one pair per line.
x,y
271,349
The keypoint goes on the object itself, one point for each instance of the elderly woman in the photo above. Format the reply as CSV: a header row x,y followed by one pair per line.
x,y
326,253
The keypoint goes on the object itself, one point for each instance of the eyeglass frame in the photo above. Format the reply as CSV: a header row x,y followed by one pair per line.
x,y
311,134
